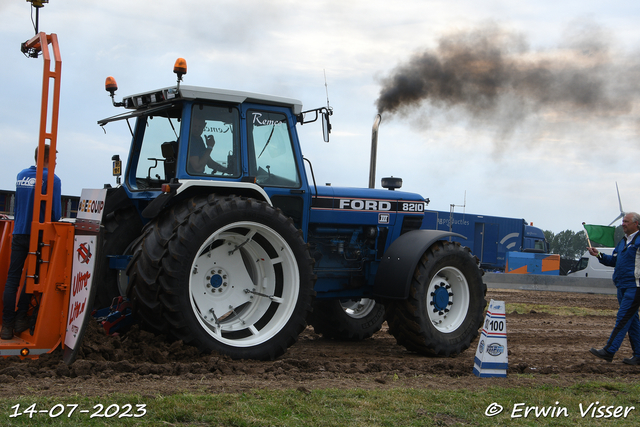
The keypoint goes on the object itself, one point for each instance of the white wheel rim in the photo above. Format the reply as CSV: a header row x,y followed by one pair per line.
x,y
244,284
357,309
448,299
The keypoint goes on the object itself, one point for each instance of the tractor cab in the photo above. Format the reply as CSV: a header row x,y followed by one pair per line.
x,y
189,139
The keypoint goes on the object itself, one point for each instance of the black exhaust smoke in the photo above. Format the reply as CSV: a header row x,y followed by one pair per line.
x,y
491,74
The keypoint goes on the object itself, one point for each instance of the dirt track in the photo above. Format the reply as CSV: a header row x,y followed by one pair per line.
x,y
539,345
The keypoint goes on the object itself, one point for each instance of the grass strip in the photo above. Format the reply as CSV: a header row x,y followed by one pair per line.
x,y
591,403
522,308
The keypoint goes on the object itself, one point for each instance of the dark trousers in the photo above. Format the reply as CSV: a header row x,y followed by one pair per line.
x,y
626,321
19,251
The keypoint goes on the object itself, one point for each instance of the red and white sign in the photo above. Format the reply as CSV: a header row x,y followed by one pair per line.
x,y
83,261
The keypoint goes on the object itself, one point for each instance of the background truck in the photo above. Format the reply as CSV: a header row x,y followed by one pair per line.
x,y
489,237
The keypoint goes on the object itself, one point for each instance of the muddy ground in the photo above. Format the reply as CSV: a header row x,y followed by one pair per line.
x,y
551,349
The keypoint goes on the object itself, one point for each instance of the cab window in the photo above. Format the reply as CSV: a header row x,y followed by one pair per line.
x,y
582,264
159,149
271,157
540,245
214,142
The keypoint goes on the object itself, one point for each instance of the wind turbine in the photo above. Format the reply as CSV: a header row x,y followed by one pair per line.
x,y
620,203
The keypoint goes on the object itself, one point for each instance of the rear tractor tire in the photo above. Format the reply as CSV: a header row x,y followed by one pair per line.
x,y
347,320
231,275
445,307
121,228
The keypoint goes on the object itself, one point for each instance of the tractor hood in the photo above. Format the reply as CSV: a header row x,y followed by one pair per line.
x,y
353,193
347,205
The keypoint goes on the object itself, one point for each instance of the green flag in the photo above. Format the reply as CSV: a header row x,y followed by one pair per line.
x,y
601,235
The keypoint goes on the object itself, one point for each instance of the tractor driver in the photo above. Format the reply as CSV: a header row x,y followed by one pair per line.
x,y
200,151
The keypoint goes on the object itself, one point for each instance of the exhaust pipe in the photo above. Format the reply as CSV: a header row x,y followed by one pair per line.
x,y
374,151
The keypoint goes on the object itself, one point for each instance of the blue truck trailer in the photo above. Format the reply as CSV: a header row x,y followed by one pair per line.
x,y
490,238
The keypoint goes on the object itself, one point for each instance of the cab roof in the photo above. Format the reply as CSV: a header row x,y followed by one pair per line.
x,y
147,99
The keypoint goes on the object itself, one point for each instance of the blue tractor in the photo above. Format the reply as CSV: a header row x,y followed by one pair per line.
x,y
220,239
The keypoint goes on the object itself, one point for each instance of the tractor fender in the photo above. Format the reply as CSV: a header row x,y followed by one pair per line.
x,y
157,204
399,262
189,187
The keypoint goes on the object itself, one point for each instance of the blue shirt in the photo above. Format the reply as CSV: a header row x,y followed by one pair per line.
x,y
626,260
25,193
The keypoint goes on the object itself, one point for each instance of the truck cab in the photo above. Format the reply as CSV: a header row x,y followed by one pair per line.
x,y
534,240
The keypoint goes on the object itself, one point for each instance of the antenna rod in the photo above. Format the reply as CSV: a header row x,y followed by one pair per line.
x,y
452,208
326,87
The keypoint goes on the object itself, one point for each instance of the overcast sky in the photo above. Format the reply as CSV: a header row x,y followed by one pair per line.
x,y
529,108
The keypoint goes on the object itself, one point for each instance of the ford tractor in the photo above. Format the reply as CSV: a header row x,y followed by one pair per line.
x,y
220,238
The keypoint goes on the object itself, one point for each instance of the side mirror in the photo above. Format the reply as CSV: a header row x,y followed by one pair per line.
x,y
325,112
326,126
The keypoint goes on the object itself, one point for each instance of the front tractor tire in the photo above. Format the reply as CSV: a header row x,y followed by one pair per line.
x,y
231,275
445,307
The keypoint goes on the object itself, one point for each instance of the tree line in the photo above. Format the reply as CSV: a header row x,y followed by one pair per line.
x,y
570,244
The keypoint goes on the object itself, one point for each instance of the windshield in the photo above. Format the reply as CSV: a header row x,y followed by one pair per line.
x,y
271,158
159,149
582,264
541,245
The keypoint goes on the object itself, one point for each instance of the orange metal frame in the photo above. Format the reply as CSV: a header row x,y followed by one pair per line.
x,y
49,263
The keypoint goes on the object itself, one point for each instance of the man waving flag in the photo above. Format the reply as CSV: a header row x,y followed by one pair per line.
x,y
626,262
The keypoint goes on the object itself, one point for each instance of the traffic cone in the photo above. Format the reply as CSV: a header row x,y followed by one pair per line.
x,y
492,356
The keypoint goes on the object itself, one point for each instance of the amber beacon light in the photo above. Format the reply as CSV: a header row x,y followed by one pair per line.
x,y
110,85
180,67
